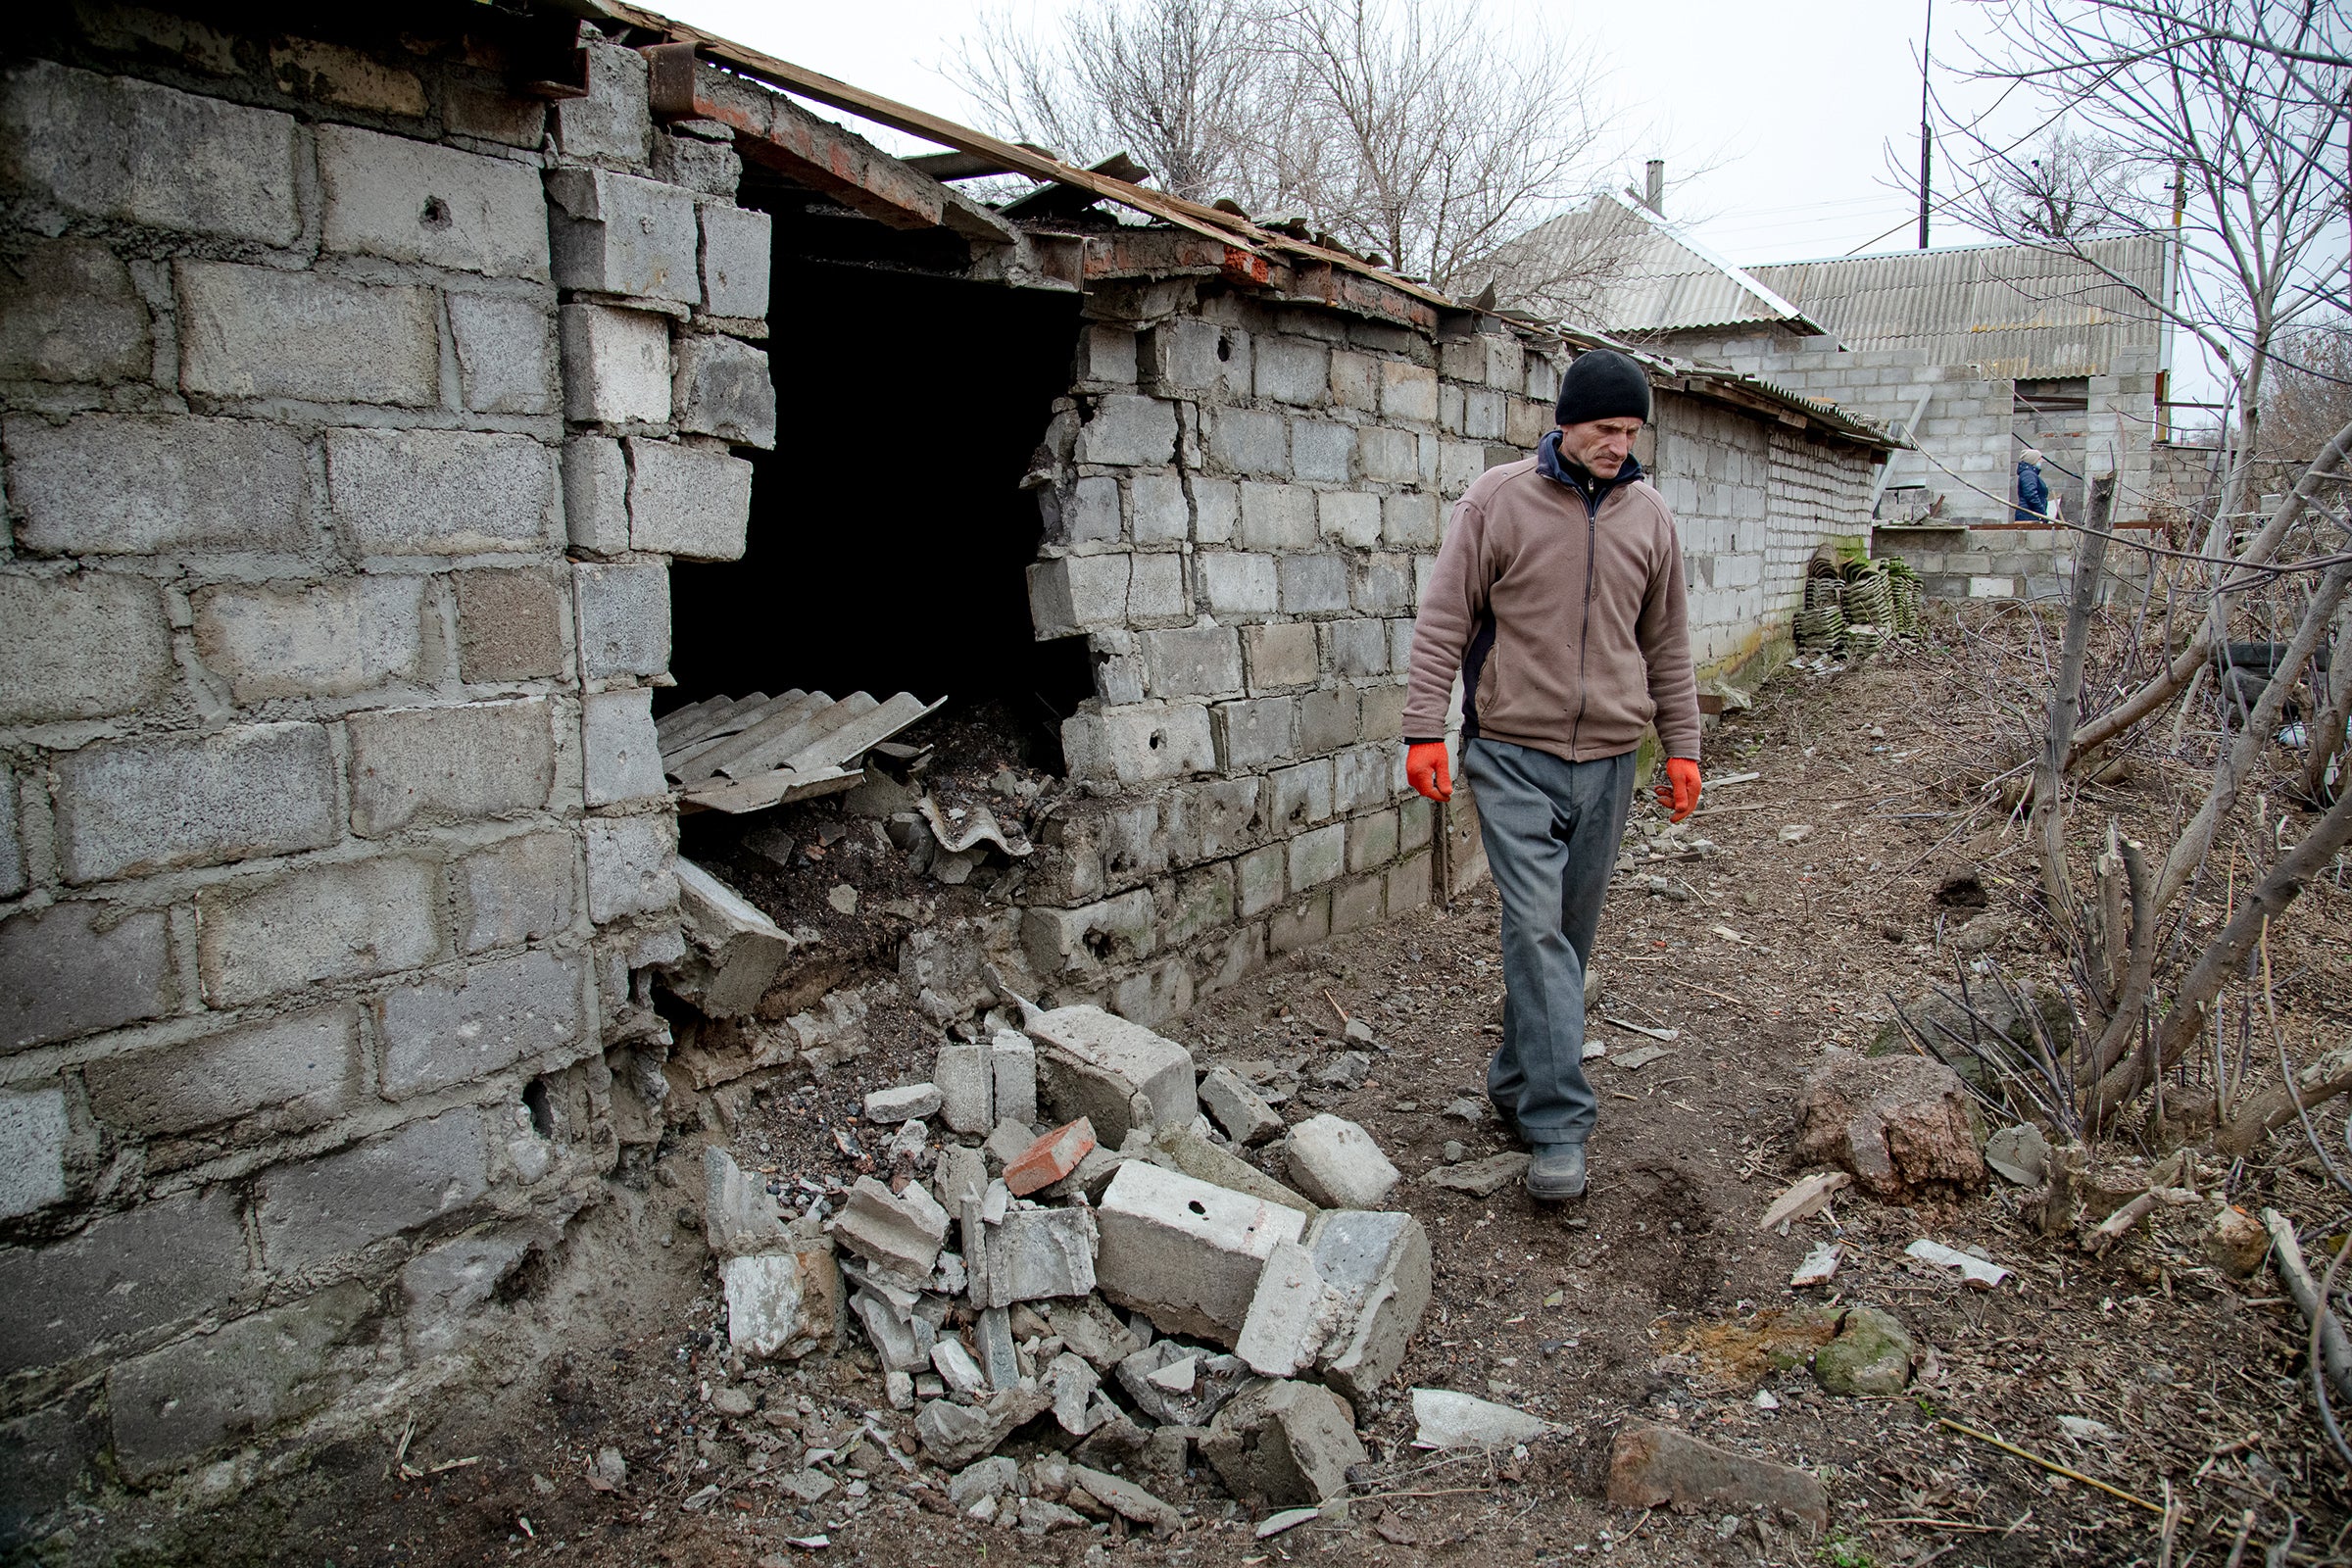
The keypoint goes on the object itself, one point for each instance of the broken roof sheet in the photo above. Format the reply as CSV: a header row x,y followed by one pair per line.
x,y
2011,310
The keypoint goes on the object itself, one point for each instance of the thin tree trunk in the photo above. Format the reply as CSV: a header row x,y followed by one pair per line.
x,y
2066,705
2324,1079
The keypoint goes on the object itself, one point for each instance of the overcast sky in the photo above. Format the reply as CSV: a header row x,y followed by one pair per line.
x,y
1788,108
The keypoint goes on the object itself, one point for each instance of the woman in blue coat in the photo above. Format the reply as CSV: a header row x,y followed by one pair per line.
x,y
2033,496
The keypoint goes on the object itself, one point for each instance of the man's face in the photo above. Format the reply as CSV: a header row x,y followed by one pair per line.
x,y
1600,445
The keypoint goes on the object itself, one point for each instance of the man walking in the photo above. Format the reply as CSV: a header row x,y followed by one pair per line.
x,y
1558,597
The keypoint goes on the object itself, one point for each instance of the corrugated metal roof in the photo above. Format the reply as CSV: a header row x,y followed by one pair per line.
x,y
1655,278
2010,309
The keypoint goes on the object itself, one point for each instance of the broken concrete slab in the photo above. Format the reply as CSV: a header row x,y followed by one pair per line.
x,y
954,1435
1185,1252
957,1369
1819,1267
902,1103
1480,1177
1181,1385
1036,1255
902,1233
734,951
1012,1068
1290,1316
1803,1198
2020,1154
966,1083
783,1304
738,1214
1050,1158
1125,1498
1241,1110
992,1477
999,1361
1095,1064
1093,1331
962,1174
1653,1466
901,1339
1181,1148
1285,1442
1073,1383
1010,1140
1445,1419
1337,1163
1379,1266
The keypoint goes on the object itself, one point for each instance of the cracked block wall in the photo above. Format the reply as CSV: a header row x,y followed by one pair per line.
x,y
352,406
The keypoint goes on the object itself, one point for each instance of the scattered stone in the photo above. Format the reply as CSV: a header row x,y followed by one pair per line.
x,y
1208,1383
1975,1272
1445,1419
1116,1442
2020,1154
732,1401
842,898
901,1232
1093,1064
1032,1254
1012,1064
900,1387
1360,1031
1819,1267
957,1370
1041,1516
1871,1355
1183,1150
1641,1056
810,1486
1654,1466
1901,1124
2236,1243
1285,1442
1481,1178
738,1215
1125,1498
967,1080
1241,1110
1469,1108
954,1435
1050,1158
609,1473
1289,1519
992,1477
1093,1331
1801,1199
1184,1251
910,1145
1073,1383
1796,832
903,1103
1452,1152
1337,1163
784,1304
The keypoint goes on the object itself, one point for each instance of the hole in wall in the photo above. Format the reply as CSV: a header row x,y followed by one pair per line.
x,y
542,1107
1224,345
435,214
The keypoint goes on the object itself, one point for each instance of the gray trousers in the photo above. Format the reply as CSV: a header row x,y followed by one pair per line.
x,y
1550,830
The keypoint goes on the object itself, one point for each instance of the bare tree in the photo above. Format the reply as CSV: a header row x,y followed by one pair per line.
x,y
2070,187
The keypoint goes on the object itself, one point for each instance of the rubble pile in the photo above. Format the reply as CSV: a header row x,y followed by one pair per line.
x,y
1080,1285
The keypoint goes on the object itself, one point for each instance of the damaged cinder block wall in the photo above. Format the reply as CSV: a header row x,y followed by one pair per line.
x,y
356,398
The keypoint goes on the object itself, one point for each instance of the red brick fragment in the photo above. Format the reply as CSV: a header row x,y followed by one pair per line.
x,y
1050,1158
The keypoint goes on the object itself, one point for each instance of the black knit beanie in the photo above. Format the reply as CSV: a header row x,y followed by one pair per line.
x,y
1603,384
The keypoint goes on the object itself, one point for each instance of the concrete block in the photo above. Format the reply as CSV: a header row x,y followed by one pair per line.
x,y
738,1214
263,332
117,484
902,1232
1107,355
1216,511
12,843
331,639
1459,463
1012,1066
1390,456
737,243
615,365
1312,584
1301,795
414,200
509,626
1241,1110
1182,356
1361,777
596,495
161,1262
1335,1162
321,923
186,1399
75,968
1371,840
1202,902
1191,661
33,1149
1247,441
622,614
340,1202
441,492
1322,451
1095,1064
1408,392
110,631
506,353
620,234
1327,720
1277,516
1230,583
1186,1253
518,890
71,314
1300,924
720,387
1139,744
1349,517
688,502
433,765
1358,904
1260,879
1112,931
455,1029
966,1083
1356,381
1156,589
735,951
132,152
1481,413
1357,647
1040,1255
1290,1318
1377,1265
613,120
630,866
1280,654
138,806
1128,429
444,1288
1410,521
1287,1442
1086,514
1384,585
1289,369
1317,855
292,1073
1073,593
1161,514
1254,732
783,1304
620,753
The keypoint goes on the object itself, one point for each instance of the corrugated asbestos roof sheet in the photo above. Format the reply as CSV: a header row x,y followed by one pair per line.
x,y
2010,309
1664,281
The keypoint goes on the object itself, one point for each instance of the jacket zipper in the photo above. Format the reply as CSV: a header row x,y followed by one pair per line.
x,y
1583,636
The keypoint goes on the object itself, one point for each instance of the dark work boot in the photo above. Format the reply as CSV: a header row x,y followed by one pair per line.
x,y
1556,1173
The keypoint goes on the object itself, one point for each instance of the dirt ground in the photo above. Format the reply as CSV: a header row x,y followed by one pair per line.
x,y
2147,1371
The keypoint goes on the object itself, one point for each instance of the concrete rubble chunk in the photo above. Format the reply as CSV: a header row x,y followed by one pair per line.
x,y
1038,1253
1095,1064
1241,1110
901,1339
1125,1498
1480,1177
1901,1124
967,1081
1010,1140
1185,1252
1012,1063
957,1369
962,1174
992,1477
736,950
900,1233
783,1304
1093,1331
1072,1383
1652,1466
1288,1442
999,1361
1181,1148
1050,1158
1290,1316
1445,1419
905,1103
738,1214
1378,1264
1209,1380
954,1435
1337,1163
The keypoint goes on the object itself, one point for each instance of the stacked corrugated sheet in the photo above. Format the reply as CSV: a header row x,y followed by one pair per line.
x,y
747,753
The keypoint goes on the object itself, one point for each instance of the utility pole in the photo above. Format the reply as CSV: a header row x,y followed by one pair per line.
x,y
1925,145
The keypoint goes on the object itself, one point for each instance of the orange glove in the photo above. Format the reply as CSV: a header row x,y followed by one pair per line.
x,y
1425,769
1679,793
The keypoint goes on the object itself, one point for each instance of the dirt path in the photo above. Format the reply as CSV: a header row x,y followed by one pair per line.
x,y
2146,1370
